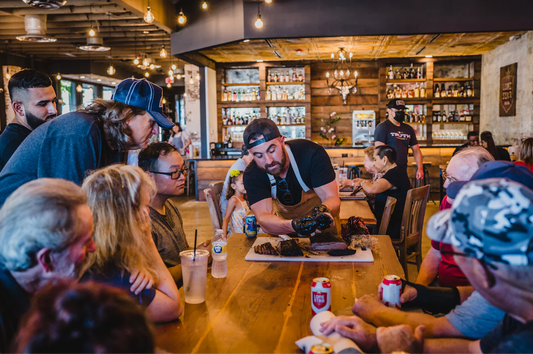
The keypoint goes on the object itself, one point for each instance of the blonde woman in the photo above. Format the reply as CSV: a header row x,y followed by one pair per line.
x,y
526,154
126,255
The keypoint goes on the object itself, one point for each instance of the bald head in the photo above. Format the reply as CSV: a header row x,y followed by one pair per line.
x,y
464,164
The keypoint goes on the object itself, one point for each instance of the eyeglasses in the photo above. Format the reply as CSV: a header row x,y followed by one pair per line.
x,y
173,175
449,178
284,187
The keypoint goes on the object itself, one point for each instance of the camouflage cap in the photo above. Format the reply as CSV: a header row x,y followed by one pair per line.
x,y
490,219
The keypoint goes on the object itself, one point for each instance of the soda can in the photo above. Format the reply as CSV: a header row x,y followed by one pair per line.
x,y
391,290
320,295
323,348
250,225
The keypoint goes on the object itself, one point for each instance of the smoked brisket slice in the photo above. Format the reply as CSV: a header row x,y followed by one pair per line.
x,y
266,248
290,248
325,241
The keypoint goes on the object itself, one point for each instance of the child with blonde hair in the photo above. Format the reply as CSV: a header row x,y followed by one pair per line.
x,y
237,207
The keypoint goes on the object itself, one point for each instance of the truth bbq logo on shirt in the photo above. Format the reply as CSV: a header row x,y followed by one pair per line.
x,y
400,135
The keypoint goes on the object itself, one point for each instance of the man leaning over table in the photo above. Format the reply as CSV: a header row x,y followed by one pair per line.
x,y
490,229
291,186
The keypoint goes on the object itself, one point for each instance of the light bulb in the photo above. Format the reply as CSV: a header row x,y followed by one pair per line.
x,y
341,73
327,73
8,76
136,61
92,32
351,55
181,18
58,77
79,88
191,81
152,66
169,85
163,101
163,52
185,94
198,77
204,5
170,72
111,70
178,77
146,62
355,73
173,66
147,74
149,16
268,1
332,56
258,22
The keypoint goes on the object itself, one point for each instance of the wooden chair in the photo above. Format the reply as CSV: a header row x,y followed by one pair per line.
x,y
212,195
411,228
390,204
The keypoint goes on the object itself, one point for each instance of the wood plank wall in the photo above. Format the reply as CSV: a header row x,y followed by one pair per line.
x,y
323,103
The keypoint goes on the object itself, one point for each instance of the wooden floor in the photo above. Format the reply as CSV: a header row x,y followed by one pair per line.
x,y
195,215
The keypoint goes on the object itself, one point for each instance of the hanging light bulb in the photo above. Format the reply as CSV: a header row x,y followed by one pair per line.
x,y
327,74
163,52
163,101
152,66
332,56
178,77
8,76
147,74
173,66
58,77
258,22
204,5
185,94
181,18
149,16
146,62
79,88
198,76
355,73
169,85
170,72
351,55
92,32
111,70
268,1
136,61
191,81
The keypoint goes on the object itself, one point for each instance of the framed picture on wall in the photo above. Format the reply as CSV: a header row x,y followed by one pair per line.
x,y
508,90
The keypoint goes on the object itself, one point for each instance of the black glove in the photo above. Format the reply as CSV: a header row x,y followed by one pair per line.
x,y
305,225
433,299
324,221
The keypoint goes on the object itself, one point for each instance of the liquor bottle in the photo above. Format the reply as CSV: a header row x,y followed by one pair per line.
x,y
412,74
301,77
423,119
397,75
230,96
434,116
440,116
390,95
258,94
436,94
281,77
294,77
235,96
469,92
284,94
410,93
276,77
418,73
390,73
397,92
449,91
423,91
455,92
287,77
443,91
450,117
224,95
290,96
417,90
224,119
462,92
254,95
404,93
239,96
405,74
302,93
269,76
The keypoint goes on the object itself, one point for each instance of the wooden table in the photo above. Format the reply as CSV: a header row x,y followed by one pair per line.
x,y
358,208
264,307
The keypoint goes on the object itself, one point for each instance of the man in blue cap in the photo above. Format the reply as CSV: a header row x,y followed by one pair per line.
x,y
93,137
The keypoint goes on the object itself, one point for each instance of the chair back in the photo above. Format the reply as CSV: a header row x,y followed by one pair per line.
x,y
212,195
390,204
413,215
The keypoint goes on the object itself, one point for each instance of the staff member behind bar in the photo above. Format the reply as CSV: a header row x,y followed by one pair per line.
x,y
400,136
291,186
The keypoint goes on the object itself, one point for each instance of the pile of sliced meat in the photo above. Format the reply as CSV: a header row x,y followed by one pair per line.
x,y
266,248
288,248
325,241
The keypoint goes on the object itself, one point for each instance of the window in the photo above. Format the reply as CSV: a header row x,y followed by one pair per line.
x,y
107,93
88,94
68,96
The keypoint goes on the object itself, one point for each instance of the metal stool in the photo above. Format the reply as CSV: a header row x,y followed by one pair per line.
x,y
354,171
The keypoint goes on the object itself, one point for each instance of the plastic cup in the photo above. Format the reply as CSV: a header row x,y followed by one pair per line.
x,y
194,275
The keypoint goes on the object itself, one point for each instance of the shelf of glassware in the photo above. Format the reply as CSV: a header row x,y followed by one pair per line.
x,y
286,115
451,131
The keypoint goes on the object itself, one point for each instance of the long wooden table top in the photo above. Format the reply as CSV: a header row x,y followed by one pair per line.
x,y
264,307
358,208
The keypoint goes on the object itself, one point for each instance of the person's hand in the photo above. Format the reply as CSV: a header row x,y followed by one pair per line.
x,y
323,217
419,173
368,306
206,246
352,327
139,281
345,183
145,226
305,225
408,294
400,338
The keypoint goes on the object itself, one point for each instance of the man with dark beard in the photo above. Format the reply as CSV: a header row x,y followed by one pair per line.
x,y
34,101
291,185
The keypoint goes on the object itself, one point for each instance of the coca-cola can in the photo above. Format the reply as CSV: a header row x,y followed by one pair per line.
x,y
320,295
391,287
323,348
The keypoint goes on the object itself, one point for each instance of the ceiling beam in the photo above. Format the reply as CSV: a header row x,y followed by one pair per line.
x,y
70,10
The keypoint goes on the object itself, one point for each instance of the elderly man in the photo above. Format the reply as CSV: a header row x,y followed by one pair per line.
x,y
33,100
77,142
46,232
490,229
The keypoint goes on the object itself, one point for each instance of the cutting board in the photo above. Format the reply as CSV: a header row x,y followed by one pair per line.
x,y
359,256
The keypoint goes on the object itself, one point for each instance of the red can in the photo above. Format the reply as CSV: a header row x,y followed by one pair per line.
x,y
320,295
391,287
323,348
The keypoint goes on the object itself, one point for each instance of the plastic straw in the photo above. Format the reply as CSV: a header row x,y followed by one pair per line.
x,y
195,239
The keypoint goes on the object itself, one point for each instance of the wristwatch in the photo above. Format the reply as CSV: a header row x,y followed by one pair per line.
x,y
363,182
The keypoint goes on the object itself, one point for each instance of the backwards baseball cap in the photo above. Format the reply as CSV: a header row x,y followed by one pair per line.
x,y
141,93
396,103
263,126
495,169
490,219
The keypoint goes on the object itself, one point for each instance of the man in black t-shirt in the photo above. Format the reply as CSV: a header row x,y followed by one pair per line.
x,y
291,186
400,136
33,100
473,140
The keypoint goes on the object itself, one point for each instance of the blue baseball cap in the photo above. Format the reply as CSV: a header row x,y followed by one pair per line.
x,y
495,169
141,93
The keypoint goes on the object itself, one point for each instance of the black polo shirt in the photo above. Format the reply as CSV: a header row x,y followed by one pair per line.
x,y
14,303
10,139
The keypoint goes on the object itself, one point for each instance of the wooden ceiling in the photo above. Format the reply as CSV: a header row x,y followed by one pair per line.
x,y
362,47
122,30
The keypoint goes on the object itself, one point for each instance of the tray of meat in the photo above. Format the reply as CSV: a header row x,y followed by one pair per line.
x,y
301,250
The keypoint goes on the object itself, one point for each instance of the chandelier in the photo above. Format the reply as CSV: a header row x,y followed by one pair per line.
x,y
341,74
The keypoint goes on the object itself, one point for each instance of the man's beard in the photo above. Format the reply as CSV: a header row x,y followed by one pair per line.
x,y
34,122
280,165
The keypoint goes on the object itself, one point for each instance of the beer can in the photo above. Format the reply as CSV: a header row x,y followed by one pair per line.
x,y
391,290
250,225
323,348
320,295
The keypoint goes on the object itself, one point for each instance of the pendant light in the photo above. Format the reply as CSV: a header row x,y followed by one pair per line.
x,y
8,76
182,19
92,32
170,72
149,16
136,61
178,77
173,66
268,1
58,77
147,74
198,76
152,66
191,81
163,52
204,5
169,85
258,22
79,88
146,62
164,101
110,70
